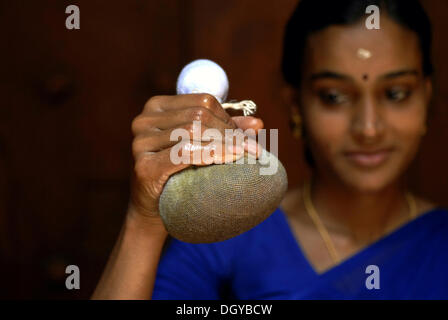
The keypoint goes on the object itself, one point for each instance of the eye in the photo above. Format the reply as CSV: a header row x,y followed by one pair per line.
x,y
333,97
397,94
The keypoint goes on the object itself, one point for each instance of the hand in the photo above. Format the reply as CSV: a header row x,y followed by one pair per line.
x,y
152,145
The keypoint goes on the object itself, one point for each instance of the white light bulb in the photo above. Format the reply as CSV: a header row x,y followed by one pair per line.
x,y
203,76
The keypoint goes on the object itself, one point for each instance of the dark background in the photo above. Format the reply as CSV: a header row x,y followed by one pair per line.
x,y
68,98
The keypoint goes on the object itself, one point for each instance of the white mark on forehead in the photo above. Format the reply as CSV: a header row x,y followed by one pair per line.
x,y
364,54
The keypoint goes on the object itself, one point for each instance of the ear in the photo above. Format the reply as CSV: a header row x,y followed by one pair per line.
x,y
290,97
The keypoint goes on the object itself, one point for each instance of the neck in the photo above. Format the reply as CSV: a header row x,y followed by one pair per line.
x,y
359,216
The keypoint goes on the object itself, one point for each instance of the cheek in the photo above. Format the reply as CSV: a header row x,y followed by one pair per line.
x,y
405,132
327,131
407,125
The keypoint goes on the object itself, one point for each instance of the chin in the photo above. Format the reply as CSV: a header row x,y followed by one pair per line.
x,y
370,181
366,185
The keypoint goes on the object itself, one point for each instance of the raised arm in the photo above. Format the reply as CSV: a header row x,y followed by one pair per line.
x,y
131,270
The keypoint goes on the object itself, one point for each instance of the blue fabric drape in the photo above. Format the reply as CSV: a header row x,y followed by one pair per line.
x,y
268,263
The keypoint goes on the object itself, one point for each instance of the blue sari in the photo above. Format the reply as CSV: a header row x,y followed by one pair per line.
x,y
268,263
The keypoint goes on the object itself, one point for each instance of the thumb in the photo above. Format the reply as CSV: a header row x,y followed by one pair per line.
x,y
248,122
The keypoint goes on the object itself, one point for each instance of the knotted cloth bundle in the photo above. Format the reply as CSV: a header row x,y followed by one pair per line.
x,y
213,203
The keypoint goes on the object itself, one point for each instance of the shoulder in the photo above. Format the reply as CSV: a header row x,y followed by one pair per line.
x,y
432,211
425,205
435,219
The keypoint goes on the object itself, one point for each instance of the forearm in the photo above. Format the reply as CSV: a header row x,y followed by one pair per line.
x,y
131,270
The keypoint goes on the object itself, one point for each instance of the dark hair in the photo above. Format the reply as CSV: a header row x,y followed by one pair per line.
x,y
313,15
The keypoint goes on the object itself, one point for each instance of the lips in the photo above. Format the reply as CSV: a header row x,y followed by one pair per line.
x,y
369,159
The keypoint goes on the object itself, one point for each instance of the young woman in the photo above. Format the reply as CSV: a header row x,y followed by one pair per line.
x,y
359,98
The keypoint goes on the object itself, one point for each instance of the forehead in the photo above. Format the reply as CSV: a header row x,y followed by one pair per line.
x,y
336,48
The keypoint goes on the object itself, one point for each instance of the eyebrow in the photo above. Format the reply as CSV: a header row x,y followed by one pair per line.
x,y
330,75
400,73
339,76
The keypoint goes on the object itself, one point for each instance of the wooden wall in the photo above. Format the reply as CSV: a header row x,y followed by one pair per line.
x,y
68,98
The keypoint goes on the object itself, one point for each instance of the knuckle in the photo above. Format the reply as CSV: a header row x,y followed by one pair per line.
x,y
136,125
136,146
142,124
197,113
207,100
152,102
202,114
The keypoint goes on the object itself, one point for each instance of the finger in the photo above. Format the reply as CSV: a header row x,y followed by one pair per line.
x,y
172,118
201,153
248,122
151,166
158,140
163,164
251,146
166,103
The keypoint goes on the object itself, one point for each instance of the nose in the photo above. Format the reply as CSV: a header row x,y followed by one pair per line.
x,y
367,123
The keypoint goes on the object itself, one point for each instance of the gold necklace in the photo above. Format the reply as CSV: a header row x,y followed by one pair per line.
x,y
309,207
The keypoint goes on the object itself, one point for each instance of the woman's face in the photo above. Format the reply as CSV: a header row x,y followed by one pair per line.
x,y
364,99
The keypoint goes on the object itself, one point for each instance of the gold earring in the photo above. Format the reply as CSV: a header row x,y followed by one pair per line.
x,y
297,126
